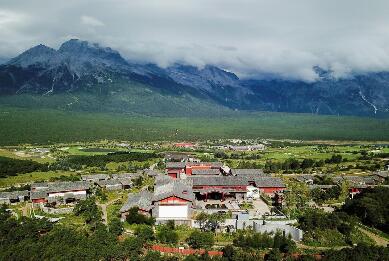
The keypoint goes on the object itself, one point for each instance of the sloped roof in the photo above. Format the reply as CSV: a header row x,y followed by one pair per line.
x,y
38,194
236,181
218,181
175,165
62,186
110,182
142,200
304,177
125,182
178,188
215,164
14,194
151,172
205,172
95,177
124,175
242,172
382,174
163,179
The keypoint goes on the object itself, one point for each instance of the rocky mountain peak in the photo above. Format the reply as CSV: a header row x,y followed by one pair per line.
x,y
38,55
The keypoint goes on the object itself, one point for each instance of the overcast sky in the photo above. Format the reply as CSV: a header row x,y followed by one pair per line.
x,y
250,37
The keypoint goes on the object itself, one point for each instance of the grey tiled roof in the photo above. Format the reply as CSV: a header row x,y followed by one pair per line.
x,y
236,181
176,156
62,186
382,174
253,172
164,179
304,178
125,182
95,177
268,182
124,175
151,173
142,200
14,194
206,172
212,164
178,188
175,165
38,194
110,182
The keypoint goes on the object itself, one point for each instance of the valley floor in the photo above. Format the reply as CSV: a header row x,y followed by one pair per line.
x,y
45,126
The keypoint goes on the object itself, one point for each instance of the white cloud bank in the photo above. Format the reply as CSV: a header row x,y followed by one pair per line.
x,y
251,37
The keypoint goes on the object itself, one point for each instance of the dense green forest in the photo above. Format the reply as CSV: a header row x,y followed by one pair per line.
x,y
12,167
76,162
371,207
45,126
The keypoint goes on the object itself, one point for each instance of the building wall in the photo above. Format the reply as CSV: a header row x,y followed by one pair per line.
x,y
233,188
271,190
188,170
39,200
62,194
173,211
173,200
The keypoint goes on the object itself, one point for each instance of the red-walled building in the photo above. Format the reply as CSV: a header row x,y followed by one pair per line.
x,y
221,187
170,201
174,169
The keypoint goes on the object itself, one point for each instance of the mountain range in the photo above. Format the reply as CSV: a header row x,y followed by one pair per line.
x,y
85,76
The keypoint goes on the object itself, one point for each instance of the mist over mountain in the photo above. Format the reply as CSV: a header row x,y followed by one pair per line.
x,y
85,76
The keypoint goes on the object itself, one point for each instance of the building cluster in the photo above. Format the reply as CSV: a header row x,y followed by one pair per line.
x,y
72,191
189,186
356,184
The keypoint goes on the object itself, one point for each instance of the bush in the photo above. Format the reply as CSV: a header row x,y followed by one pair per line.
x,y
167,235
144,233
198,239
88,210
134,217
116,227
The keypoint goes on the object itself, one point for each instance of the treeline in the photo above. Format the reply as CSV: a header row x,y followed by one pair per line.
x,y
293,165
77,162
371,207
314,220
250,156
319,195
12,167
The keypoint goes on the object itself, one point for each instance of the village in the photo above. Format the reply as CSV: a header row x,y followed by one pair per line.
x,y
183,186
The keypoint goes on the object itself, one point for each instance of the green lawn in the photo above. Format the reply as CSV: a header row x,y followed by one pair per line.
x,y
32,177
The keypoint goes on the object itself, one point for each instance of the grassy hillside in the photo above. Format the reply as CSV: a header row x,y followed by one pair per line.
x,y
44,126
133,98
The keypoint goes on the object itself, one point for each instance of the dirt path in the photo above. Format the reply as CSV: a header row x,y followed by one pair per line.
x,y
104,216
380,241
302,246
103,206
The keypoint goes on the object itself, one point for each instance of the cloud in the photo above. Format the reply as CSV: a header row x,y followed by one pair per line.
x,y
91,21
250,37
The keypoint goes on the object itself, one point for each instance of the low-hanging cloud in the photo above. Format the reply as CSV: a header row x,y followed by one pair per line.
x,y
253,38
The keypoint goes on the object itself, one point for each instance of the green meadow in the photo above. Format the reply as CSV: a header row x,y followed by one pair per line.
x,y
48,126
